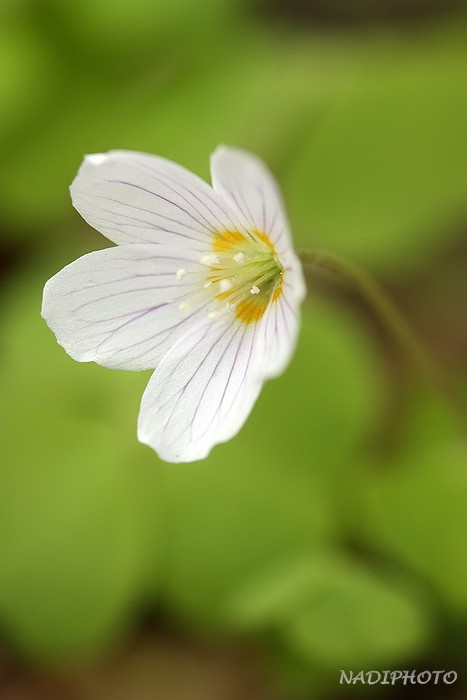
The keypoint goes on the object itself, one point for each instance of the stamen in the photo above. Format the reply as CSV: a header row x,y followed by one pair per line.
x,y
239,257
209,260
180,273
225,284
243,276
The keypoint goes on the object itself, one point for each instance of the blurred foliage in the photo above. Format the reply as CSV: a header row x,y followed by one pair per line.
x,y
305,535
396,132
414,509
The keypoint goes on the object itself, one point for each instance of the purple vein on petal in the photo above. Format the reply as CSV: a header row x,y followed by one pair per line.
x,y
185,386
151,225
194,374
217,412
244,375
165,332
207,194
121,293
159,196
239,327
177,192
96,285
143,313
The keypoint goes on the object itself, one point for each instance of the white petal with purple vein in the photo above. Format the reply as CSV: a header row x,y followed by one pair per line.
x,y
120,307
202,391
135,198
247,185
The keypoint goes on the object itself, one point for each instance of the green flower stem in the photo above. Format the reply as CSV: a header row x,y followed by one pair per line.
x,y
394,322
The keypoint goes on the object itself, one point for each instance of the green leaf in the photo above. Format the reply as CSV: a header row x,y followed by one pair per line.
x,y
332,611
70,548
355,618
415,510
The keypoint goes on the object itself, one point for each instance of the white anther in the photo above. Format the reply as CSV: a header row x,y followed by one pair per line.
x,y
213,315
180,273
225,284
254,289
207,284
209,259
239,257
230,307
183,306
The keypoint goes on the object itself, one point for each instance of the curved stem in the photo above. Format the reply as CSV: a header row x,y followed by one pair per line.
x,y
387,312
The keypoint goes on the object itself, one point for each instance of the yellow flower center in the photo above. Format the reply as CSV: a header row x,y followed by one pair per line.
x,y
246,271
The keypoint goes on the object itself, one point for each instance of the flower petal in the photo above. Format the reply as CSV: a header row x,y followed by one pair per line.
x,y
119,307
249,188
277,336
202,391
135,198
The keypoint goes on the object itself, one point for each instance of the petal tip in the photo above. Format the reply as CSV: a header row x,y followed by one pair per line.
x,y
88,164
171,454
96,158
235,152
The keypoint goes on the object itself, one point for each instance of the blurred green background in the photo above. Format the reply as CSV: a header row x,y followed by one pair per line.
x,y
331,533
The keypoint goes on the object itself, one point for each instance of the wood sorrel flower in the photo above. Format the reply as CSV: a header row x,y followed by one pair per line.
x,y
203,286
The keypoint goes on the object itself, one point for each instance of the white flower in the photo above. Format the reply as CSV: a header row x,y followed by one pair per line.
x,y
203,285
